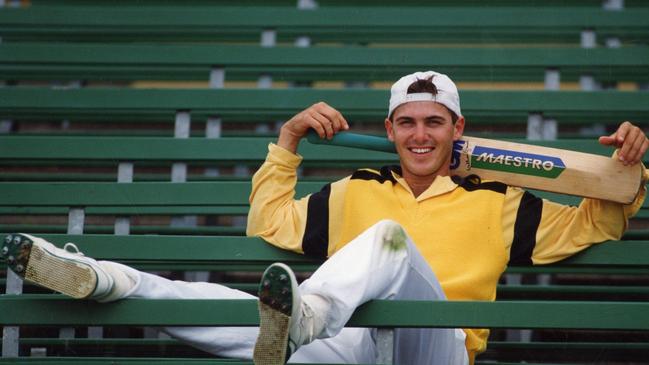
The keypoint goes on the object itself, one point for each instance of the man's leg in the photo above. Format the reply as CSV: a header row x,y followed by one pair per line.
x,y
350,346
66,270
69,272
238,342
384,263
381,263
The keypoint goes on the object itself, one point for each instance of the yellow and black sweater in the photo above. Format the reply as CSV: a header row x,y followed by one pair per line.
x,y
468,232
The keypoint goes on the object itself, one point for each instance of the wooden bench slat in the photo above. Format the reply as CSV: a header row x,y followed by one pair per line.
x,y
569,345
55,310
224,150
235,149
579,350
534,291
328,16
506,292
134,229
40,61
640,291
329,3
536,345
239,249
631,235
127,361
223,249
132,194
453,24
235,104
119,361
128,210
142,194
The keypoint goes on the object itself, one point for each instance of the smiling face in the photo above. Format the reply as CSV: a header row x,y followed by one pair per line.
x,y
423,133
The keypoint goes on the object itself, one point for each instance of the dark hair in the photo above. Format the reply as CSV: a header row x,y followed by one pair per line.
x,y
427,86
423,86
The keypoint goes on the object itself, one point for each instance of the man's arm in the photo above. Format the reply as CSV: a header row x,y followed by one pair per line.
x,y
631,142
322,118
274,213
556,231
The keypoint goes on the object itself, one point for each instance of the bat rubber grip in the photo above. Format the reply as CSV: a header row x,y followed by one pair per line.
x,y
347,139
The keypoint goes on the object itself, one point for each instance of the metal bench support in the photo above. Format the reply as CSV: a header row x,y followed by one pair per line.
x,y
385,346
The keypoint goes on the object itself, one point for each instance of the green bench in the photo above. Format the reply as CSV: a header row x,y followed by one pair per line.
x,y
56,154
254,105
599,296
48,151
390,3
515,24
131,62
216,198
226,253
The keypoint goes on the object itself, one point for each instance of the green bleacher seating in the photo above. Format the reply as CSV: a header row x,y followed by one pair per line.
x,y
591,308
120,62
244,105
250,253
228,252
326,24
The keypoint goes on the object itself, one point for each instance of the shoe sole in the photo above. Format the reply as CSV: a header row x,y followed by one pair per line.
x,y
34,263
275,306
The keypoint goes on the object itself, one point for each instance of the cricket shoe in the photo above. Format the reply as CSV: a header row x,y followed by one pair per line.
x,y
66,270
287,320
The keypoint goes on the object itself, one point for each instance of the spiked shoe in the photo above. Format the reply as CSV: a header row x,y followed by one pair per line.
x,y
65,271
287,319
279,301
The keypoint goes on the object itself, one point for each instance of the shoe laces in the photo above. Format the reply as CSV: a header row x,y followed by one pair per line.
x,y
72,248
306,329
307,324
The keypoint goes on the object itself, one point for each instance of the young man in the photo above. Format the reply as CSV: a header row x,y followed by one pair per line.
x,y
404,232
466,232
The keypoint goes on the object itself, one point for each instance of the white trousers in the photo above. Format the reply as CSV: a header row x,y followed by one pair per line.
x,y
365,269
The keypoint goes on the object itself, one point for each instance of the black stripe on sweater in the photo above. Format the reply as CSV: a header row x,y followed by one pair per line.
x,y
316,234
527,223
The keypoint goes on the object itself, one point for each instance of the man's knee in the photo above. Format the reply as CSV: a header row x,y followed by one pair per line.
x,y
391,235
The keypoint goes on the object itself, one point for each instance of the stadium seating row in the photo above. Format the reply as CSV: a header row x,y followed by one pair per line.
x,y
132,62
58,180
359,105
366,24
223,253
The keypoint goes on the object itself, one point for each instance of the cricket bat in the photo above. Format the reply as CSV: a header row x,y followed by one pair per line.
x,y
528,166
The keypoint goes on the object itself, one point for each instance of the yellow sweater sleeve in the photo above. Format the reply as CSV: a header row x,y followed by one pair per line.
x,y
274,214
560,231
307,225
566,230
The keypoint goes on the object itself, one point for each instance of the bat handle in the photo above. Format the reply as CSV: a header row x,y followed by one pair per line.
x,y
347,139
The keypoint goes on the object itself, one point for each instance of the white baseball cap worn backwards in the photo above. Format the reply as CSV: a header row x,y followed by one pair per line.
x,y
447,94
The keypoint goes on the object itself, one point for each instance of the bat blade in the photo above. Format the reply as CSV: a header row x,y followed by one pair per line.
x,y
548,169
528,166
